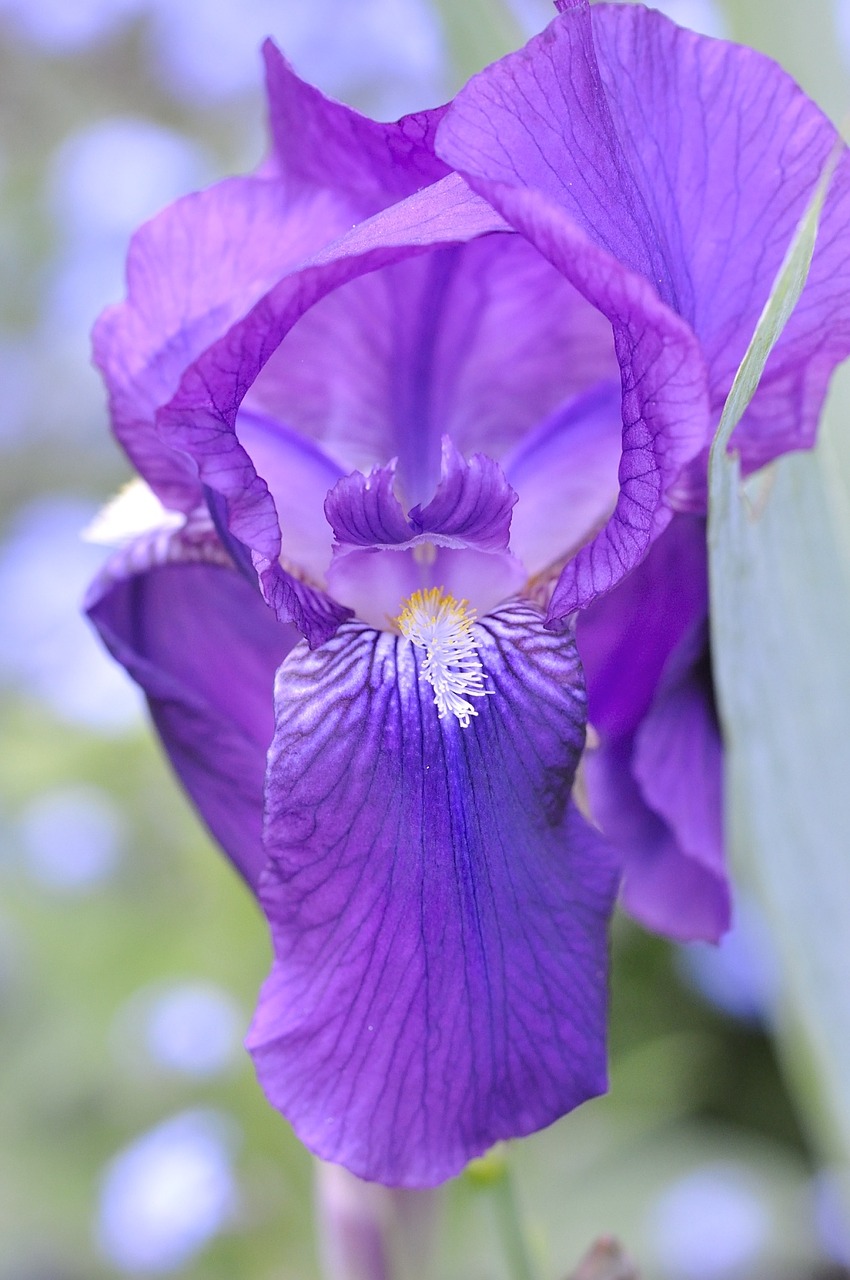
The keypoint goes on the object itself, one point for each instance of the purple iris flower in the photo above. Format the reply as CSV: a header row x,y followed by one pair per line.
x,y
408,398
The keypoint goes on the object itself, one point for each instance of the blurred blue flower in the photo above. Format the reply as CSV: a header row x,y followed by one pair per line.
x,y
194,1028
832,1221
169,1193
739,975
61,27
46,650
207,49
712,1224
72,838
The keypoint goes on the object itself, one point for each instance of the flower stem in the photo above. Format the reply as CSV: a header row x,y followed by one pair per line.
x,y
492,1172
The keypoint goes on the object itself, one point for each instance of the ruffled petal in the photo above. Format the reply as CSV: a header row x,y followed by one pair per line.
x,y
200,419
204,647
438,908
191,272
470,509
472,505
363,511
690,161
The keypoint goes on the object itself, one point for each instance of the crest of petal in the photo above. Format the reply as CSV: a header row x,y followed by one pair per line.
x,y
363,511
438,907
471,507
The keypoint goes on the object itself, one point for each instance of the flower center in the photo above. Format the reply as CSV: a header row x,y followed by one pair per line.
x,y
442,626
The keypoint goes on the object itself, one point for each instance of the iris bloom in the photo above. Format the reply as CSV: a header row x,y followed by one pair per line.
x,y
407,399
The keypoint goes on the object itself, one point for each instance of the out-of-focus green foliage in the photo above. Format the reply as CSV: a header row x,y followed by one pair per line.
x,y
780,588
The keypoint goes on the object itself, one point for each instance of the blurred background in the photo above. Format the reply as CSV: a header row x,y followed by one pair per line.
x,y
133,1138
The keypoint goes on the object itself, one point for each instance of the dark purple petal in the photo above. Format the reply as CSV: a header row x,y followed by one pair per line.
x,y
655,781
200,419
472,506
664,888
690,161
626,638
438,908
470,509
204,647
678,765
363,511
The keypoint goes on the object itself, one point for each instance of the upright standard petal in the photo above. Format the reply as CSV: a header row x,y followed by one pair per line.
x,y
201,419
438,908
690,161
204,647
317,142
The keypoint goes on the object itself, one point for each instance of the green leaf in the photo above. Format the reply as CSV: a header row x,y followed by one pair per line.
x,y
779,550
478,32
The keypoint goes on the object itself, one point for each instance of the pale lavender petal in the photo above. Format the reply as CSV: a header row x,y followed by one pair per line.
x,y
199,420
438,908
299,474
375,584
204,647
476,342
565,473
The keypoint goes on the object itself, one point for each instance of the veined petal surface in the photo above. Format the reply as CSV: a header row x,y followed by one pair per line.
x,y
689,160
438,908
